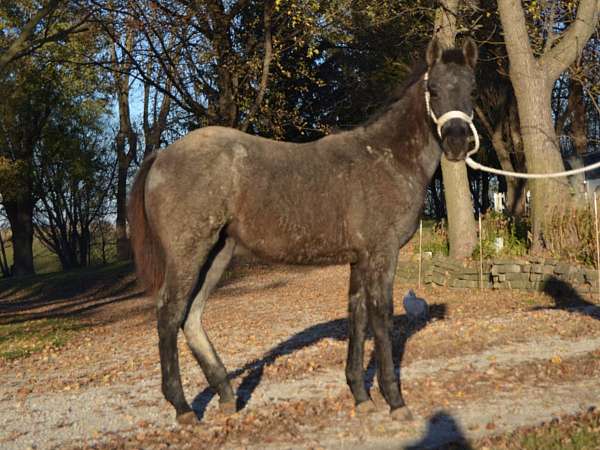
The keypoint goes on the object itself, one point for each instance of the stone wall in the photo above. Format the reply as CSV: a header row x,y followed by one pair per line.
x,y
536,274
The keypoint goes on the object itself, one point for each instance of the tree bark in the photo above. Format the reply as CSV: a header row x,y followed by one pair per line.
x,y
126,147
533,79
154,131
20,216
515,187
459,203
3,259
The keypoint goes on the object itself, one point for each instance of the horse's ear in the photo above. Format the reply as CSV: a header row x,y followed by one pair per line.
x,y
470,51
434,52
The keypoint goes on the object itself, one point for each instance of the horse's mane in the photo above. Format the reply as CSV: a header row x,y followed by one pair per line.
x,y
451,55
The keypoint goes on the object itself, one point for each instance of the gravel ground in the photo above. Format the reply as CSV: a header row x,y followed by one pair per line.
x,y
488,363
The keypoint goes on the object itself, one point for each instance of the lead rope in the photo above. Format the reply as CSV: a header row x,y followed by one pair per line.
x,y
441,121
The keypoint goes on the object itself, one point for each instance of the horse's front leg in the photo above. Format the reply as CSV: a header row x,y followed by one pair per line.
x,y
380,307
357,328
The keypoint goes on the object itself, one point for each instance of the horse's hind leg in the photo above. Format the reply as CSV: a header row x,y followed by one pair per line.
x,y
181,279
197,339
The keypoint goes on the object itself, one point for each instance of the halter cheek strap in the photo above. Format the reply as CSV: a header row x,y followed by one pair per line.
x,y
454,114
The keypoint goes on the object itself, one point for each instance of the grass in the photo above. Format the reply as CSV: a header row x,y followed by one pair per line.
x,y
44,261
24,338
19,340
581,432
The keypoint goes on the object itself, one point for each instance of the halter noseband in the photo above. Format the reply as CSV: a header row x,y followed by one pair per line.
x,y
441,121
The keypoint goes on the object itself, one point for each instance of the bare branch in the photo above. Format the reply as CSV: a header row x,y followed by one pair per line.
x,y
268,56
22,42
570,44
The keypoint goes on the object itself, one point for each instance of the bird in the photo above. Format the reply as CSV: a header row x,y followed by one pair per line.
x,y
417,309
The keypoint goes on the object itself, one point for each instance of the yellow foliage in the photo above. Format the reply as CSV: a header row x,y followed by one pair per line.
x,y
11,177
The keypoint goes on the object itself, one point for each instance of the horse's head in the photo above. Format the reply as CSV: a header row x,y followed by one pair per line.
x,y
449,84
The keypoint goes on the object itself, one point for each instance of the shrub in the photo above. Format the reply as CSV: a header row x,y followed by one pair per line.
x,y
512,230
571,235
435,239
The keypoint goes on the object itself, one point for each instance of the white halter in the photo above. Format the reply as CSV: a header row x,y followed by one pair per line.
x,y
441,121
475,165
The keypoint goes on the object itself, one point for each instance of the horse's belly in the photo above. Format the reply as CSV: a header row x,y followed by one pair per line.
x,y
292,243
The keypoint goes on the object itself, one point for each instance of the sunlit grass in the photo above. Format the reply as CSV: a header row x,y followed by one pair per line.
x,y
19,340
574,433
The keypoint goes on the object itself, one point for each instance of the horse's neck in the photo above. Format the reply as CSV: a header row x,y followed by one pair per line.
x,y
406,129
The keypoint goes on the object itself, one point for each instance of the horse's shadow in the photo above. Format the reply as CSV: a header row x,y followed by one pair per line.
x,y
567,298
337,329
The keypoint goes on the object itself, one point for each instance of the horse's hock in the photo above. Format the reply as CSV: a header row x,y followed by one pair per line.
x,y
535,274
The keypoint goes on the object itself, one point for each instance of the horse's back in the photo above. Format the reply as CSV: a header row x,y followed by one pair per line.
x,y
275,197
300,203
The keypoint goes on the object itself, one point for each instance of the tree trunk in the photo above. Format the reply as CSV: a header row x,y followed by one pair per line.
x,y
541,149
518,186
126,138
3,260
532,79
123,246
20,216
462,231
485,192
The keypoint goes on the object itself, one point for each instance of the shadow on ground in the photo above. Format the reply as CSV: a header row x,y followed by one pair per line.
x,y
66,294
567,298
252,372
442,433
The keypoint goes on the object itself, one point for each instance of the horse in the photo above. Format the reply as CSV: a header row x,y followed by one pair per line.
x,y
352,197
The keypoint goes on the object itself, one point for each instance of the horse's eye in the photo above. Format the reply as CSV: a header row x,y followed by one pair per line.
x,y
433,92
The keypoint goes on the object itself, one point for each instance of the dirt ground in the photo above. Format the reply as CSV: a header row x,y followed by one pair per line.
x,y
487,363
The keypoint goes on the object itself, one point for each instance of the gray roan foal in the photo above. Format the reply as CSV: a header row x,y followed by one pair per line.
x,y
353,198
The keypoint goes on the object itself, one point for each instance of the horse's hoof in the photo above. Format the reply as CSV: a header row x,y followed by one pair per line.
x,y
366,407
187,418
227,407
402,414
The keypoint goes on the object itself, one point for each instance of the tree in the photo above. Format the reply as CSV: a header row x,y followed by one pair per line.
x,y
33,92
498,116
26,32
462,235
533,78
126,141
29,99
74,176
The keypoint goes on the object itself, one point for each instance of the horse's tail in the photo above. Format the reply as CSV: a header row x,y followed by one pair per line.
x,y
147,251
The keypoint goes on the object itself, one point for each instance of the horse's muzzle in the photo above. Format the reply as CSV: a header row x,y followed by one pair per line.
x,y
455,140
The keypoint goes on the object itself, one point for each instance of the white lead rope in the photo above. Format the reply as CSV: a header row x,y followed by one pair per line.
x,y
567,173
441,121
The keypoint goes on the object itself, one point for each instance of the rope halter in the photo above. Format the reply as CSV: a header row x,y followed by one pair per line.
x,y
441,121
454,114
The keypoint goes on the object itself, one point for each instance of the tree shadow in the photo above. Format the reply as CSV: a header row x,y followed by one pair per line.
x,y
335,329
66,294
567,298
77,308
37,291
443,432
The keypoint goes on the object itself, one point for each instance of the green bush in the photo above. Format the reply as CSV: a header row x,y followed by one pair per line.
x,y
435,239
512,230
